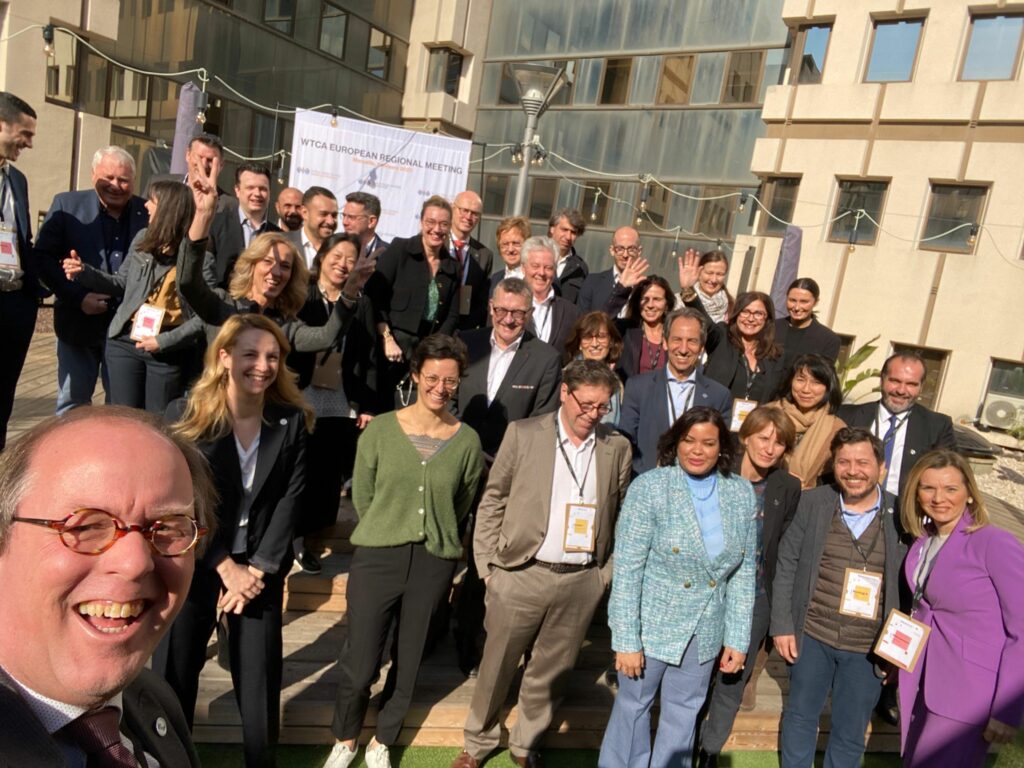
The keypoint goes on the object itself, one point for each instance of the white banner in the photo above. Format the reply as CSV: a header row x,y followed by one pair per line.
x,y
403,168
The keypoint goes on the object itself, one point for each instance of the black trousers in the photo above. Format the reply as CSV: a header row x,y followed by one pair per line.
x,y
384,583
255,650
142,380
330,455
17,323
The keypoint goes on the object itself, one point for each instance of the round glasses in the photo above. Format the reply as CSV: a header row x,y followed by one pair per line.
x,y
93,531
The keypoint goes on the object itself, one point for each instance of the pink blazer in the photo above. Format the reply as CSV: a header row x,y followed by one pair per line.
x,y
973,664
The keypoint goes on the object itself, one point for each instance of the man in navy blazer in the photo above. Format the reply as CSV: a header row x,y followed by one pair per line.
x,y
234,226
98,224
19,285
653,401
599,287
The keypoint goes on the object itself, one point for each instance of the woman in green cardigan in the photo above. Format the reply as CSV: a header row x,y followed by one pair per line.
x,y
415,477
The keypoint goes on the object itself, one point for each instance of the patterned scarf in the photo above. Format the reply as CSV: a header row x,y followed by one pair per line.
x,y
716,306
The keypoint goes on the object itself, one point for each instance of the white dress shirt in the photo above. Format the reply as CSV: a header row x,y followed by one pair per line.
x,y
247,458
542,315
498,364
564,490
308,249
879,429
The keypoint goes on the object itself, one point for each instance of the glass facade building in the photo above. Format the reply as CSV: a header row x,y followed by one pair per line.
x,y
671,89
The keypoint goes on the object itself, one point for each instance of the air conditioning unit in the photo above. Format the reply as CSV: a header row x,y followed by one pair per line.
x,y
1001,411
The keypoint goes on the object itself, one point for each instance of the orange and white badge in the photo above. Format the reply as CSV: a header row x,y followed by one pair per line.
x,y
147,323
902,640
579,527
741,408
862,591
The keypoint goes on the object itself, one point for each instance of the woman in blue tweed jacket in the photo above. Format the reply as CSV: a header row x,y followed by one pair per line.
x,y
682,590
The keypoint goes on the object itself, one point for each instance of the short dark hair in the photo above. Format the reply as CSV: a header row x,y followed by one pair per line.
x,y
589,373
574,217
854,435
822,371
668,443
257,168
12,108
439,346
633,307
805,284
370,203
328,245
908,354
588,325
210,140
309,194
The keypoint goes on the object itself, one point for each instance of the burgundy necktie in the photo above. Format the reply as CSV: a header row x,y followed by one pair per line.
x,y
458,249
98,734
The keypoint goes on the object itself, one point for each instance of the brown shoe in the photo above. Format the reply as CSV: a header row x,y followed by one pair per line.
x,y
532,760
465,760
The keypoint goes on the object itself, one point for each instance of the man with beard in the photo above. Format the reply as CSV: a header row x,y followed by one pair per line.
x,y
289,209
836,580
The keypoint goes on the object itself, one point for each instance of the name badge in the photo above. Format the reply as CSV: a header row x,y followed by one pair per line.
x,y
147,322
862,591
902,640
465,298
741,408
579,527
9,247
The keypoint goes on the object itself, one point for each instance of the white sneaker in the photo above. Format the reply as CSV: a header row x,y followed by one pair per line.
x,y
377,756
341,756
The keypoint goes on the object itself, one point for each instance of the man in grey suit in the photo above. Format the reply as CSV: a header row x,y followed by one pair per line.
x,y
653,401
543,542
92,598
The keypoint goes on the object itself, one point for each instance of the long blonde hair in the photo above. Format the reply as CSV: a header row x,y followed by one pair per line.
x,y
911,514
293,295
207,416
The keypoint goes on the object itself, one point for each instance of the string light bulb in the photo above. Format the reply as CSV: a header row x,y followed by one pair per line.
x,y
851,248
334,117
48,40
645,193
204,103
593,208
972,236
280,170
743,201
675,246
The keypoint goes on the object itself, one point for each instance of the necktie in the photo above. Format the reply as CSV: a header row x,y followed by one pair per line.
x,y
458,249
890,440
98,734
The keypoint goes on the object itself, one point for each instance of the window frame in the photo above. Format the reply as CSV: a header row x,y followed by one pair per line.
x,y
290,33
967,49
320,30
370,49
604,79
800,45
875,21
755,85
587,201
449,53
840,180
766,194
534,180
661,77
970,250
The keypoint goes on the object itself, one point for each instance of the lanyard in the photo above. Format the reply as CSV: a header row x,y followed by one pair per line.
x,y
4,192
672,400
874,541
751,375
880,424
926,573
572,472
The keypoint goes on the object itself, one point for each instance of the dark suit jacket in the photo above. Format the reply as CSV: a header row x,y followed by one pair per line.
x,y
815,339
277,488
597,289
645,414
73,221
530,386
24,742
377,244
227,241
632,348
569,283
480,288
563,317
31,291
926,431
496,278
224,198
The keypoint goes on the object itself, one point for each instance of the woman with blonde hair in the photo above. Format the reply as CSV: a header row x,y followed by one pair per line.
x,y
249,419
270,278
966,690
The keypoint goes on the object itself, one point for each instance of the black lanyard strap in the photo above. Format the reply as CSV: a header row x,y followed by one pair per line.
x,y
572,472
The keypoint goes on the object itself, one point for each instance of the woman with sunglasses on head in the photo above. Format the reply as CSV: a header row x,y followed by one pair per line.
x,y
250,421
415,478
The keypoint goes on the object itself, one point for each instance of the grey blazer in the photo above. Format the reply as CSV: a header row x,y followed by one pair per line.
x,y
800,552
135,279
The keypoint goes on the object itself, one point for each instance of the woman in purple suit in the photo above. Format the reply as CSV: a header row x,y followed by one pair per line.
x,y
967,689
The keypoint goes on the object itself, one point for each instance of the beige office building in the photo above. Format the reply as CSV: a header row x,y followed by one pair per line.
x,y
897,143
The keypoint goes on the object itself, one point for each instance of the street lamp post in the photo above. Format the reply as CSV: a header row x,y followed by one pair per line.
x,y
537,84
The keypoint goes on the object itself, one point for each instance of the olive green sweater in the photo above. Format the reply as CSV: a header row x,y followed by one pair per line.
x,y
401,499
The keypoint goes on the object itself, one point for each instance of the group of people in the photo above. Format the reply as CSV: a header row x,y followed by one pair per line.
x,y
566,431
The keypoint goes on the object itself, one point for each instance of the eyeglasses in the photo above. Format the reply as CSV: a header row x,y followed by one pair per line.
x,y
508,245
468,212
94,531
754,314
431,381
354,216
519,315
602,336
432,224
603,409
632,250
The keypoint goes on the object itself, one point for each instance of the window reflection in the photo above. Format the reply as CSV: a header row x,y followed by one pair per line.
x,y
542,198
893,51
812,46
615,88
995,42
676,80
778,194
953,207
379,53
333,22
855,195
279,14
743,77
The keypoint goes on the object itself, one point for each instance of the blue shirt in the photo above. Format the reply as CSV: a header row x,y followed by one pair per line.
x,y
704,493
858,522
680,394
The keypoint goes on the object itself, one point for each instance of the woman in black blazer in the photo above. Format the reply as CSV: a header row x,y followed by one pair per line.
x,y
414,293
800,333
249,419
767,438
643,343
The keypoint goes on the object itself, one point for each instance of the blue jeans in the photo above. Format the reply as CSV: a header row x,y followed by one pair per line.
x,y
78,367
684,686
855,690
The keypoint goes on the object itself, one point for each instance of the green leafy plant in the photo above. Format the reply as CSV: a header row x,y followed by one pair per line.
x,y
1017,430
849,376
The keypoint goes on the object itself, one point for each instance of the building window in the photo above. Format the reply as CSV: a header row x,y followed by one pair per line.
x,y
676,80
715,217
856,195
543,194
1003,407
953,207
333,23
994,48
894,51
809,50
279,14
657,204
742,77
615,87
61,68
846,349
128,100
935,361
596,215
778,195
495,194
445,71
379,54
